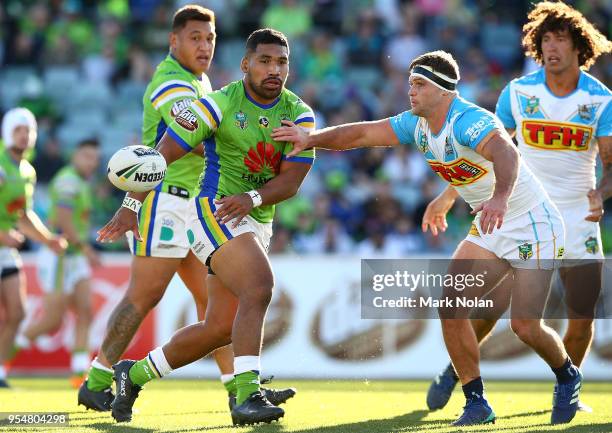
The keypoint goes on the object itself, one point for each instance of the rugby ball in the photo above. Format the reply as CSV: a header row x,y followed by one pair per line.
x,y
136,168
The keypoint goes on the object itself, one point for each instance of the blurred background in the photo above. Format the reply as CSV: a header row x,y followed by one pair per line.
x,y
82,66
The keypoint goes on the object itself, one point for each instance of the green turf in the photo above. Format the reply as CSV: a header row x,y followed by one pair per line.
x,y
320,406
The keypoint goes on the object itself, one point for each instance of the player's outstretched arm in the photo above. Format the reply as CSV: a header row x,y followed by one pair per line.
x,y
283,186
376,133
499,149
126,218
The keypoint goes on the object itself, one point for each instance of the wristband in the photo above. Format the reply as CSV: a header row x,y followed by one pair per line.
x,y
255,197
132,204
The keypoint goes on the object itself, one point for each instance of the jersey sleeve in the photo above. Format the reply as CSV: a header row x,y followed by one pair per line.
x,y
404,125
475,124
198,121
503,109
66,191
604,125
171,97
305,119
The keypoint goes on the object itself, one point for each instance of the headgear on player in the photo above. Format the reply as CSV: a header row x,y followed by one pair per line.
x,y
18,117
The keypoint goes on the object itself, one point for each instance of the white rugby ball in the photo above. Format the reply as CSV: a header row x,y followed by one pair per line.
x,y
136,168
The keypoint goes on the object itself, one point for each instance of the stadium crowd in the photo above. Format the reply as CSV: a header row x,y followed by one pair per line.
x,y
81,66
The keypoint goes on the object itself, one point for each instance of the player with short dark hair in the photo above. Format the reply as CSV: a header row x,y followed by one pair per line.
x,y
230,221
516,230
561,117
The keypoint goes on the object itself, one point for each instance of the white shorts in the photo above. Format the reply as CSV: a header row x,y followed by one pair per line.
x,y
61,274
206,234
582,238
9,260
162,224
533,240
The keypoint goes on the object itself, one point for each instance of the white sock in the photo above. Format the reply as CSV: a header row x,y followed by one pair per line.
x,y
79,362
96,364
225,378
158,359
246,363
2,372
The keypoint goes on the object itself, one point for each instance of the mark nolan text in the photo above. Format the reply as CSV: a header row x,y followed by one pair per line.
x,y
431,302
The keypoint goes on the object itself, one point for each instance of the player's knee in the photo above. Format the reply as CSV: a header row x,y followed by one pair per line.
x,y
581,328
525,330
144,301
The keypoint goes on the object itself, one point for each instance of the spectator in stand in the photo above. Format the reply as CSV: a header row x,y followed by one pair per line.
x,y
288,16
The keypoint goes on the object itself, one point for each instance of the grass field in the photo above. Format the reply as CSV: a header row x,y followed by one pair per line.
x,y
320,406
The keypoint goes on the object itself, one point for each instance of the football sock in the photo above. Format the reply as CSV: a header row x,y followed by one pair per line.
x,y
229,383
474,389
565,373
152,366
246,373
99,377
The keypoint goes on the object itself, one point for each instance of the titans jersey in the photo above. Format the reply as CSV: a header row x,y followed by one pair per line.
x,y
171,89
452,155
240,154
557,135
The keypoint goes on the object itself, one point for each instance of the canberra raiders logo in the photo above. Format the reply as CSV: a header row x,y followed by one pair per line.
x,y
241,120
525,251
591,245
532,105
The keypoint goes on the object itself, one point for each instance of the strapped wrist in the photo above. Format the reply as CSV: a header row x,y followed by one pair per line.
x,y
131,204
255,197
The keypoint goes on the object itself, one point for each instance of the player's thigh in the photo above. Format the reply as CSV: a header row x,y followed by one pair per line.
x,y
582,289
13,295
149,278
243,266
530,292
193,273
222,304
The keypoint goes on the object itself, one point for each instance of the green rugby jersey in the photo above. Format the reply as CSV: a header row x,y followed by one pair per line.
x,y
17,180
171,89
240,154
69,190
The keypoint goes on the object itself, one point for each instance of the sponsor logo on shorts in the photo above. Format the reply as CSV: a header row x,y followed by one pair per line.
x,y
474,230
591,245
546,134
198,247
167,222
458,173
525,251
560,252
187,120
166,246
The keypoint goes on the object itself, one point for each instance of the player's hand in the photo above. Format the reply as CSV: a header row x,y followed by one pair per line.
x,y
292,133
233,207
93,258
435,214
596,208
123,221
11,238
57,244
492,213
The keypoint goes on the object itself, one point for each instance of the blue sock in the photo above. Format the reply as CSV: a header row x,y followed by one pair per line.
x,y
474,389
565,373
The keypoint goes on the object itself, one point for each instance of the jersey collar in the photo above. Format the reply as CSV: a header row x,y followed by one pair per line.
x,y
264,106
199,78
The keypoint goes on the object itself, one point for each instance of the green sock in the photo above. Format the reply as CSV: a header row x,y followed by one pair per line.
x,y
142,372
98,379
231,386
246,384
